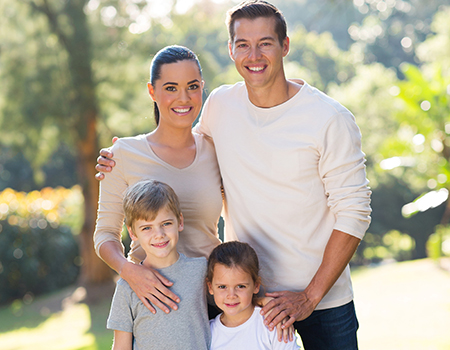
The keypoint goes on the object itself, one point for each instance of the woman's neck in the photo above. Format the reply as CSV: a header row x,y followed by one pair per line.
x,y
175,147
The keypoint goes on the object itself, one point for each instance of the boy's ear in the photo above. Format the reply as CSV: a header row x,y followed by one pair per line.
x,y
181,223
132,235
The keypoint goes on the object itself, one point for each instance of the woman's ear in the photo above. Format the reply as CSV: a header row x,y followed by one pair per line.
x,y
151,91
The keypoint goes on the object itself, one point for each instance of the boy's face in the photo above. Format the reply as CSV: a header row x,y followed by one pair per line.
x,y
257,52
158,238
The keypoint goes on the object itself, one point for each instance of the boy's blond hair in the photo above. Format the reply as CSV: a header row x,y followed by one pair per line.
x,y
144,199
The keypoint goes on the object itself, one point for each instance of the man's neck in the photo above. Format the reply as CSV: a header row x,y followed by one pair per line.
x,y
277,94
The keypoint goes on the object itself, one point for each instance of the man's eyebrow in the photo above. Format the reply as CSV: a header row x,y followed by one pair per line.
x,y
271,38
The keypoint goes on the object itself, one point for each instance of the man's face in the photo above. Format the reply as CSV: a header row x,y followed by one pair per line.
x,y
257,52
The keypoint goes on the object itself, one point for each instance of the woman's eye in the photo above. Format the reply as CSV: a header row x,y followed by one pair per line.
x,y
194,87
170,88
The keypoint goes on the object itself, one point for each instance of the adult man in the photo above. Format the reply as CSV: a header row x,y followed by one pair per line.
x,y
294,179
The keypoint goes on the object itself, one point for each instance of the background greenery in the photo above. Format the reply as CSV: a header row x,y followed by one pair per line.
x,y
74,74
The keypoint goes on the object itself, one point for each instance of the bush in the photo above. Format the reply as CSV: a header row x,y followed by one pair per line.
x,y
38,253
35,260
438,244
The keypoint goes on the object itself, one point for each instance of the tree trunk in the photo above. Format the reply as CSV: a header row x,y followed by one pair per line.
x,y
74,37
93,270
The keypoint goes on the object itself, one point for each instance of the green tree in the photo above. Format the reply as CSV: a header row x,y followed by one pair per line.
x,y
420,150
51,96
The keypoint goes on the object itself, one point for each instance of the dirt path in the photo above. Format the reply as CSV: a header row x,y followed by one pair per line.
x,y
403,306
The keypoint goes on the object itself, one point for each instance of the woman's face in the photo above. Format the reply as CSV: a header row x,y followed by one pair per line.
x,y
178,93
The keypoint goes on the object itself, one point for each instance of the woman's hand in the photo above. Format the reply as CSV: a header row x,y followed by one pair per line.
x,y
150,287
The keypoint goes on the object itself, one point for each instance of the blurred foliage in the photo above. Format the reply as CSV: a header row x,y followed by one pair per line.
x,y
38,251
438,244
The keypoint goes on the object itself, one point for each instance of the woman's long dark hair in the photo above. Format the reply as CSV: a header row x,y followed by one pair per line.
x,y
169,54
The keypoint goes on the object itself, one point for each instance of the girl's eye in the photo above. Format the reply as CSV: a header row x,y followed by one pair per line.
x,y
221,287
241,286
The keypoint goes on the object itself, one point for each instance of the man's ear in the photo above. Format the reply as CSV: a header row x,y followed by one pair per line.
x,y
230,50
286,45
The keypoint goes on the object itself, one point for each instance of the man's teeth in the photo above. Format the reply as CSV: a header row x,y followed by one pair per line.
x,y
256,69
181,110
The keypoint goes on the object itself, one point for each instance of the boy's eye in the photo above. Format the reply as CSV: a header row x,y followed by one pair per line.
x,y
242,286
167,224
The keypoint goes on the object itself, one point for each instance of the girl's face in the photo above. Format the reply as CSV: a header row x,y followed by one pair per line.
x,y
178,93
233,291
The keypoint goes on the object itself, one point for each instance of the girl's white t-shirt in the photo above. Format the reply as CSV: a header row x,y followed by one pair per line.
x,y
251,335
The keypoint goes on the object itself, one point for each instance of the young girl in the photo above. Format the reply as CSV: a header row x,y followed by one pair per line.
x,y
233,280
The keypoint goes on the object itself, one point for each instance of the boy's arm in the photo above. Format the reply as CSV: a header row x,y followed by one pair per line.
x,y
122,340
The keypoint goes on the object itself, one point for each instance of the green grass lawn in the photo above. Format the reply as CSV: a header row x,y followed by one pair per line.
x,y
399,306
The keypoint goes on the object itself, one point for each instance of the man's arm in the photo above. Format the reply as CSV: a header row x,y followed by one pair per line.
x,y
122,340
105,162
299,305
149,285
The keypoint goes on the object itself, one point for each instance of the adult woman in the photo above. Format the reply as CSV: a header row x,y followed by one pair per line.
x,y
171,154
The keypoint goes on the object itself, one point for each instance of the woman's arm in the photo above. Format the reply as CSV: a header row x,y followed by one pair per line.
x,y
148,284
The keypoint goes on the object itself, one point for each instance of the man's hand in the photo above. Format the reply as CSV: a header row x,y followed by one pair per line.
x,y
104,162
150,287
295,306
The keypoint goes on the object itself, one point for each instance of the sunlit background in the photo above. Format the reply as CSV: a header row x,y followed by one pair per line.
x,y
74,74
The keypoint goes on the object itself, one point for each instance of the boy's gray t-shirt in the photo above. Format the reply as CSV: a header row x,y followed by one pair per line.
x,y
185,328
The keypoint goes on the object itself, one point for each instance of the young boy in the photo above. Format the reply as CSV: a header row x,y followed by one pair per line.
x,y
153,217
